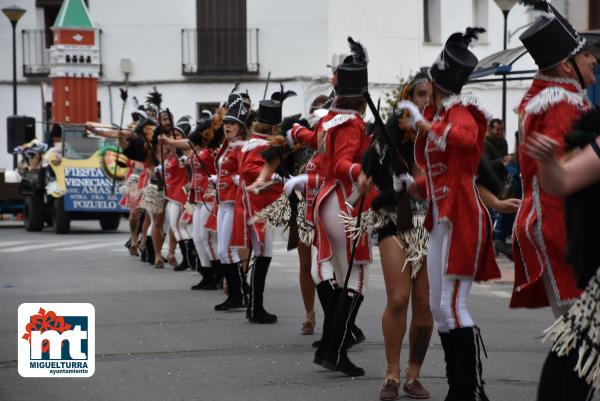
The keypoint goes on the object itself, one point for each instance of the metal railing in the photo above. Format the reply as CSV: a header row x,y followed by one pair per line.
x,y
219,51
36,53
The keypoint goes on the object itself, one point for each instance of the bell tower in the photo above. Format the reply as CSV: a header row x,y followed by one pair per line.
x,y
74,65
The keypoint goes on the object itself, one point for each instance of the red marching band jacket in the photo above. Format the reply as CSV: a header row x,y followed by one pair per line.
x,y
341,141
203,166
549,107
175,179
226,166
250,164
449,155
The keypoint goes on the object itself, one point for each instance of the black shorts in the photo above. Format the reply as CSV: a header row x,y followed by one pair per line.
x,y
388,230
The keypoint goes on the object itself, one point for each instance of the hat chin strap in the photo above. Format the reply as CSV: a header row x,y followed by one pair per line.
x,y
577,71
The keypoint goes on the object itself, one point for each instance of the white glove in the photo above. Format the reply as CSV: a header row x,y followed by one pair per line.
x,y
402,182
158,168
236,179
276,178
182,160
295,183
213,179
415,114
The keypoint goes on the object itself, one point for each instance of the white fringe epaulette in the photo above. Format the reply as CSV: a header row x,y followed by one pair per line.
x,y
465,99
277,214
580,328
153,200
337,121
415,244
253,144
551,96
305,231
237,143
370,222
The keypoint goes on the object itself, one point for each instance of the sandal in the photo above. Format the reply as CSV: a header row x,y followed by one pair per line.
x,y
159,264
308,326
133,250
171,259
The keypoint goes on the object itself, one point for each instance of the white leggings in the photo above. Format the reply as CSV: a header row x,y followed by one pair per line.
x,y
227,254
266,249
173,214
338,264
447,295
205,240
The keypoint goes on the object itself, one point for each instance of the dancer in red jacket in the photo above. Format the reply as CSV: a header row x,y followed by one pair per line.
x,y
554,101
448,149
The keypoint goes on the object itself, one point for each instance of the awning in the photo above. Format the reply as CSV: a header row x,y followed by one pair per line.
x,y
500,64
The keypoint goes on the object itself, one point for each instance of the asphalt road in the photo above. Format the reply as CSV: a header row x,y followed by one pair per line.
x,y
157,340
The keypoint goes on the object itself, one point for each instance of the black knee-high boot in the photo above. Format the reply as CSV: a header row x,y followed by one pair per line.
x,y
188,251
208,281
149,251
450,358
467,345
234,296
256,310
559,382
326,291
336,356
245,288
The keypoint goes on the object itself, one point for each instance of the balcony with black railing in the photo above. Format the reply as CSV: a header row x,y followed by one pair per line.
x,y
36,52
219,51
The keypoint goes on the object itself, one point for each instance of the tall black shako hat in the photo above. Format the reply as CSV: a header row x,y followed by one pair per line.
x,y
269,111
352,78
451,71
551,39
238,108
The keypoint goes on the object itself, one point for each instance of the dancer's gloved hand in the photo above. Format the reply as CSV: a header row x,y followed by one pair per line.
x,y
236,179
276,178
403,182
296,183
415,114
213,179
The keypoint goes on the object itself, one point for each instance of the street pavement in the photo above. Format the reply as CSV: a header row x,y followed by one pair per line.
x,y
158,340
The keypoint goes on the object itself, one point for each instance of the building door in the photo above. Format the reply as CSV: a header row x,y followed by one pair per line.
x,y
222,36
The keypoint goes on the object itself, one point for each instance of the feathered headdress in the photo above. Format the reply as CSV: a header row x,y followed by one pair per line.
x,y
359,53
154,97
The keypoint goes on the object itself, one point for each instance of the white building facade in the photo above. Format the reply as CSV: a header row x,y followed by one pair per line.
x,y
194,50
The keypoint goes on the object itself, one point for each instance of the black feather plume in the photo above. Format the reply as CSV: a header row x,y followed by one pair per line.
x,y
154,97
123,94
235,87
541,5
282,94
472,34
359,53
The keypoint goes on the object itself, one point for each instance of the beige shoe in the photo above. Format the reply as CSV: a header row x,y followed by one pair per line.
x,y
414,389
159,264
390,390
308,326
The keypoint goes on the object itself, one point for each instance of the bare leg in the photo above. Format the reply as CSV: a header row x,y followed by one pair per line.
x,y
421,324
158,236
134,219
397,287
307,286
172,247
